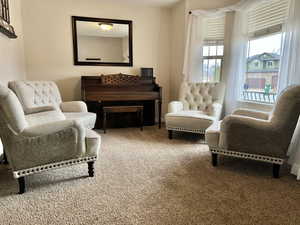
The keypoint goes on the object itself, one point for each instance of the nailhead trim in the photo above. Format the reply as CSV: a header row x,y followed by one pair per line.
x,y
199,131
38,169
248,156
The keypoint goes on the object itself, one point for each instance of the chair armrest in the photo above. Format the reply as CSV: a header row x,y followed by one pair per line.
x,y
217,110
48,143
252,113
74,106
251,135
50,128
41,109
175,106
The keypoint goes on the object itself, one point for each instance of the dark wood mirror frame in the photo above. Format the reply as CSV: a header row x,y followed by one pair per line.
x,y
91,19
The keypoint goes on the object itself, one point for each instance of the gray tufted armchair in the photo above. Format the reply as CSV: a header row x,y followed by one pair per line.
x,y
257,135
33,149
199,105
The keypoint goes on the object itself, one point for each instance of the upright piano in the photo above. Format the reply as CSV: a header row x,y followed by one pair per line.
x,y
122,90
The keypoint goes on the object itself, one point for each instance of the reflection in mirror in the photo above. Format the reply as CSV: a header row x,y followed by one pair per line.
x,y
102,42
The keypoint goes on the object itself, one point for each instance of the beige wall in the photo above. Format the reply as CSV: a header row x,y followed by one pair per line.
x,y
11,50
107,48
49,49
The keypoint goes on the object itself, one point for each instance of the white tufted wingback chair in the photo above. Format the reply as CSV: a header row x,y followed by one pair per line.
x,y
42,103
199,105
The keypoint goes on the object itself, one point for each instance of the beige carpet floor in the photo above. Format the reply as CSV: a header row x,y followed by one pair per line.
x,y
144,178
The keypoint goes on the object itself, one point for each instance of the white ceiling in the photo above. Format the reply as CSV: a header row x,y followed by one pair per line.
x,y
93,29
155,3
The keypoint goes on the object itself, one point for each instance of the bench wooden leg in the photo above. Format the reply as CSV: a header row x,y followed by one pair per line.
x,y
142,119
214,159
104,122
170,134
276,170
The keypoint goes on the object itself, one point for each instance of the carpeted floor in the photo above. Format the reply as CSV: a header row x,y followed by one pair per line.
x,y
144,178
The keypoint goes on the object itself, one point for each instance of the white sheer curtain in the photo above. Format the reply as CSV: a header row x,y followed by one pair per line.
x,y
236,61
192,68
290,74
238,53
193,57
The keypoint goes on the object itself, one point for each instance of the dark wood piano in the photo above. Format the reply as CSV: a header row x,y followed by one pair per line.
x,y
122,90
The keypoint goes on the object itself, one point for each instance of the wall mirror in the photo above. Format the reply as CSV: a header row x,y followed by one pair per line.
x,y
102,42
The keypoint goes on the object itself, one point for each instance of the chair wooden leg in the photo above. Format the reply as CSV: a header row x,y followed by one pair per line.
x,y
276,169
170,133
214,159
22,185
91,169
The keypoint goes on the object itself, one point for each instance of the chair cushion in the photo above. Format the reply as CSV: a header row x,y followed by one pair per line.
x,y
40,118
87,119
212,134
188,120
93,142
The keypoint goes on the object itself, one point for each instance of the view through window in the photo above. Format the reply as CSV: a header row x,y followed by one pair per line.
x,y
263,62
213,53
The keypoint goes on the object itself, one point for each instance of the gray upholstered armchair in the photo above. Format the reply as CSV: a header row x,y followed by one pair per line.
x,y
257,135
34,149
199,105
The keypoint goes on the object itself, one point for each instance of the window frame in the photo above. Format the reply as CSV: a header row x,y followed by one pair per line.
x,y
249,39
215,57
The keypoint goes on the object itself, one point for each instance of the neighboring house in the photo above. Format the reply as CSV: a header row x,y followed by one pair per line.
x,y
262,71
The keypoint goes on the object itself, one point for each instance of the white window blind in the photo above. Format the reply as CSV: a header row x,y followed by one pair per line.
x,y
267,17
214,28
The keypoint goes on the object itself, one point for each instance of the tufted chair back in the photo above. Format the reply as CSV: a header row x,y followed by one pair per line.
x,y
201,96
34,94
11,113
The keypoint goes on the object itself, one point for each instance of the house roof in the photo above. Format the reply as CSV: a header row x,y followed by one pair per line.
x,y
265,57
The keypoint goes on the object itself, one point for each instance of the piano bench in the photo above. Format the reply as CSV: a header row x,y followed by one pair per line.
x,y
139,109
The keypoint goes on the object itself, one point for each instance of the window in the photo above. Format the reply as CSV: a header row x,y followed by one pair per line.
x,y
265,38
213,49
213,53
270,64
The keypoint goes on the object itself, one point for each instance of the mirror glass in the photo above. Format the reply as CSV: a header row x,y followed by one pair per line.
x,y
103,43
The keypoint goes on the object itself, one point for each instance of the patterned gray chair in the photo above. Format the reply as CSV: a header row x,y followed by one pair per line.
x,y
199,105
34,149
257,135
